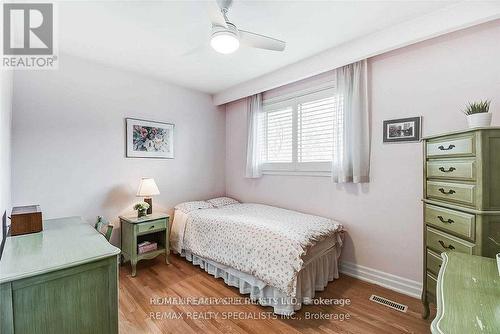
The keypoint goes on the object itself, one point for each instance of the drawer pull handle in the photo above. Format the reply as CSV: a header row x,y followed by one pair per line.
x,y
450,247
450,147
151,227
449,221
451,169
449,192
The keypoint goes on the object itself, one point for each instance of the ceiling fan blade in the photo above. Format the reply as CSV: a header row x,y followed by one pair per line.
x,y
260,41
215,14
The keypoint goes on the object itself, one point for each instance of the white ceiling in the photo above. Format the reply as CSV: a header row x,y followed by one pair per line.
x,y
151,37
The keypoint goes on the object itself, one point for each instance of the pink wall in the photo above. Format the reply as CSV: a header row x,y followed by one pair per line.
x,y
434,79
68,141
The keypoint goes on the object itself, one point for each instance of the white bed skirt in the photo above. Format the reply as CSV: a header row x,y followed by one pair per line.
x,y
315,275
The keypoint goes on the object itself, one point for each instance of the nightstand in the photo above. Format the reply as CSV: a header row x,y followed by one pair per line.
x,y
135,230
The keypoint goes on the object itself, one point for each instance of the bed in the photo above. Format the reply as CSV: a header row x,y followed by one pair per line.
x,y
279,257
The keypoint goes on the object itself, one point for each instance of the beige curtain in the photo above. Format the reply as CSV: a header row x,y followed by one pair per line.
x,y
351,151
254,124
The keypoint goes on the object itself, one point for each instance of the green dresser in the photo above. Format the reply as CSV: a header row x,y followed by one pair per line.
x,y
61,280
462,199
468,295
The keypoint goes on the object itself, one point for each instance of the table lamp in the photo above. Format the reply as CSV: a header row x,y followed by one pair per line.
x,y
148,188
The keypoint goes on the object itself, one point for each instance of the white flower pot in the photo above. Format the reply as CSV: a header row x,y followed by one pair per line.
x,y
479,120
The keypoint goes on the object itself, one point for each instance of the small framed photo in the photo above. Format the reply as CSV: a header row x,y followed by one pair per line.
x,y
149,139
403,130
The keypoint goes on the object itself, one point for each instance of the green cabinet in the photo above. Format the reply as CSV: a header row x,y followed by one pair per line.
x,y
61,280
461,199
468,295
153,228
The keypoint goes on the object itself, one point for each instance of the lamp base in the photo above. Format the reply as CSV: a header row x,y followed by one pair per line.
x,y
149,200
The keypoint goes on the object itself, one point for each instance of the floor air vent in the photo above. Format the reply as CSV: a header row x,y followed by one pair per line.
x,y
389,303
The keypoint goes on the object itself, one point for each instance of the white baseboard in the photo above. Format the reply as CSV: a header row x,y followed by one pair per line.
x,y
389,281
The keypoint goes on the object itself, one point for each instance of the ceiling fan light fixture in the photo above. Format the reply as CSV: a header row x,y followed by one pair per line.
x,y
225,42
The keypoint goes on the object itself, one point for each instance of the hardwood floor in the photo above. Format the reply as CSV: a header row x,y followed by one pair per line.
x,y
181,279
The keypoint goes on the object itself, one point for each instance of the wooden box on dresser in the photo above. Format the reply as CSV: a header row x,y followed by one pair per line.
x,y
461,199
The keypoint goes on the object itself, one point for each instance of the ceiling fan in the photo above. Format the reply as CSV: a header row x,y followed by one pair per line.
x,y
226,38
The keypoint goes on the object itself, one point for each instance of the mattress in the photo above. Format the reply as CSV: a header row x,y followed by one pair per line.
x,y
319,249
270,244
180,220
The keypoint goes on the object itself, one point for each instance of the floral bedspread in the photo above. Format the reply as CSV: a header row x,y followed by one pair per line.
x,y
265,241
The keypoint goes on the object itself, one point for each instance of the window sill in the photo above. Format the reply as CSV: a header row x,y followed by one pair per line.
x,y
297,173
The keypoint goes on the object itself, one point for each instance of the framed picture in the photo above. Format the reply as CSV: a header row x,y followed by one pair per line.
x,y
149,139
402,130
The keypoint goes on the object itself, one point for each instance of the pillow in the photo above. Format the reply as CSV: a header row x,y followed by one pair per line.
x,y
187,207
219,202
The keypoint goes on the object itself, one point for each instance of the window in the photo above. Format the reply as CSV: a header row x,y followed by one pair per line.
x,y
279,135
315,130
298,132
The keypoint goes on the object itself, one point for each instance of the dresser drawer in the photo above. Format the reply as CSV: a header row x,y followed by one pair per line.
x,y
452,192
456,222
440,242
452,169
434,261
449,147
153,226
431,284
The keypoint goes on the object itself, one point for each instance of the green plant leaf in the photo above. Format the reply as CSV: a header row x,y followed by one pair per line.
x,y
472,108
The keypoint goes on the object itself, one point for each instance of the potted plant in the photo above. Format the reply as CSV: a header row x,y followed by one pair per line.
x,y
141,208
478,114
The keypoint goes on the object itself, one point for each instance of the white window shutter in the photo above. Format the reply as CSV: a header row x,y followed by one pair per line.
x,y
278,136
315,130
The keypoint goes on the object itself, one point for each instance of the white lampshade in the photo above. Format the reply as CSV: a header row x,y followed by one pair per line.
x,y
147,188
